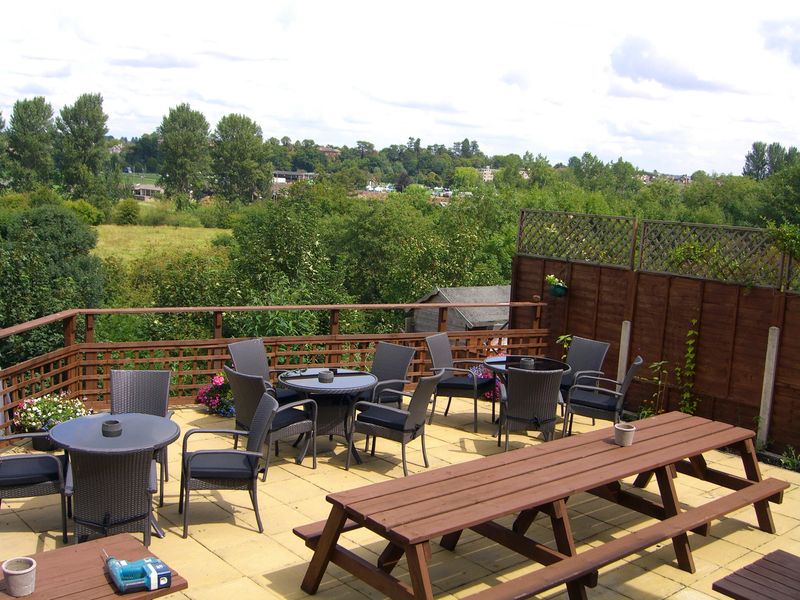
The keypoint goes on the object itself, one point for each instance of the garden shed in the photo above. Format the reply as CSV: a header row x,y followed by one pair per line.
x,y
462,319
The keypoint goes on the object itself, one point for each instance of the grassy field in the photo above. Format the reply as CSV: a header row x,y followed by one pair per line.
x,y
129,242
131,178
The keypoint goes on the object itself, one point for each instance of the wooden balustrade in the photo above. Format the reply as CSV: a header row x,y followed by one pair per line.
x,y
82,368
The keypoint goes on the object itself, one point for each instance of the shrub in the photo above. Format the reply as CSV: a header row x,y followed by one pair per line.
x,y
217,396
155,216
127,212
89,214
43,413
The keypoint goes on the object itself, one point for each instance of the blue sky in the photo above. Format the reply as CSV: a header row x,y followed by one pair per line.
x,y
673,86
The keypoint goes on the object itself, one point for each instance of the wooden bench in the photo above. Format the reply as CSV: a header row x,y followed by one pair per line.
x,y
577,567
776,576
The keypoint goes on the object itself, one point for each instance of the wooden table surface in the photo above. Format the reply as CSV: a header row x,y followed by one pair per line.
x,y
78,571
412,511
775,576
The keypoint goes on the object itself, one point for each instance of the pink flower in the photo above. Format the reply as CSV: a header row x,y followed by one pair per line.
x,y
217,380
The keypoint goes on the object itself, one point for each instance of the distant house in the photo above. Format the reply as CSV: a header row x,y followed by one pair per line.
x,y
289,176
462,319
329,152
143,191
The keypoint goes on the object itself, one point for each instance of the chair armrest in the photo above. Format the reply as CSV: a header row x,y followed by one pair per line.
x,y
192,455
588,374
471,361
593,388
22,436
365,405
398,392
217,431
457,370
606,380
297,403
170,414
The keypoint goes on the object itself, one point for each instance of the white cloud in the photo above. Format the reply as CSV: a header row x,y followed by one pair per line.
x,y
675,86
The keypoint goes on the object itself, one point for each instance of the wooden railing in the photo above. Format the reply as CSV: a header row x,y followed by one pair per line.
x,y
82,368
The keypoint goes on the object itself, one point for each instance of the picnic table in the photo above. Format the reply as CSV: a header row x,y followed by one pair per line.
x,y
412,512
78,571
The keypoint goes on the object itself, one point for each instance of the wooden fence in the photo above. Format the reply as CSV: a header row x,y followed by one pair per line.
x,y
82,368
731,320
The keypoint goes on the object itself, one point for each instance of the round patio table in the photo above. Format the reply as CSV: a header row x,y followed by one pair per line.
x,y
138,432
334,399
498,364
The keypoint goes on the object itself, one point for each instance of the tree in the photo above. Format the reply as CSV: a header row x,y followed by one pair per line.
x,y
184,147
81,152
466,178
143,154
776,157
237,160
755,162
30,143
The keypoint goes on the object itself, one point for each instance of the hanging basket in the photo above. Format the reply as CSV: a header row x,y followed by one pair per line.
x,y
558,290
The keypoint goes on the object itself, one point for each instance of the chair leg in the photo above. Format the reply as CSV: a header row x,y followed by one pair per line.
x,y
266,463
475,416
148,526
403,451
447,408
235,442
186,511
64,517
254,498
433,410
349,450
374,437
508,429
297,441
424,454
314,448
277,450
366,443
161,485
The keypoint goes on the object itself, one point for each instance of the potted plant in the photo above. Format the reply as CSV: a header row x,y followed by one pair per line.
x,y
45,412
557,286
217,396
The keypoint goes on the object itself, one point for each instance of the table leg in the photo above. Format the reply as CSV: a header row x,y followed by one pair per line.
x,y
417,557
669,497
565,542
390,556
450,540
753,473
524,520
324,551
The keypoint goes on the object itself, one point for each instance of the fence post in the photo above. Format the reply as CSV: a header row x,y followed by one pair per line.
x,y
73,361
334,357
624,350
768,386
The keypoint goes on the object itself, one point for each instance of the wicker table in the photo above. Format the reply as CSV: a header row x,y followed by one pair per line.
x,y
498,364
78,571
334,399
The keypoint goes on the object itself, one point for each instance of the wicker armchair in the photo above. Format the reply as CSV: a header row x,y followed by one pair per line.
x,y
529,400
112,492
27,475
584,355
145,392
461,383
227,469
291,420
392,423
250,357
602,398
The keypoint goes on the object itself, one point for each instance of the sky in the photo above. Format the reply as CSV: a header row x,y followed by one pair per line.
x,y
670,86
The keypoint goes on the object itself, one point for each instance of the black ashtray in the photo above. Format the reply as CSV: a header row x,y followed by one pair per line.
x,y
112,428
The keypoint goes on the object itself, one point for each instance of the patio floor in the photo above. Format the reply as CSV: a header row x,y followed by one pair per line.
x,y
225,556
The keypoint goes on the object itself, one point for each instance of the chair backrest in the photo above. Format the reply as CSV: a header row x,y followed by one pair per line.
x,y
584,355
250,357
420,399
626,383
262,422
391,361
439,349
247,391
532,394
111,488
145,392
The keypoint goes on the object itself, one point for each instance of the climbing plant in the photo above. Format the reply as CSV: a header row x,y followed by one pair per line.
x,y
684,375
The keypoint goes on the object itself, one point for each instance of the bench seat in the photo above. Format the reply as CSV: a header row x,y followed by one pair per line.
x,y
576,567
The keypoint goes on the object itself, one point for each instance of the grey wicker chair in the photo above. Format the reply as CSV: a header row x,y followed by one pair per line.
x,y
112,492
529,400
227,469
293,419
584,356
27,475
145,392
395,424
250,357
461,383
390,366
595,400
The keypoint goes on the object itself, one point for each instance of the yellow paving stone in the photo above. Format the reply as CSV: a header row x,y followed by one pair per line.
x,y
241,589
690,594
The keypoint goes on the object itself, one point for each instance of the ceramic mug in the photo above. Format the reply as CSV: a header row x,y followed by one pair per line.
x,y
20,576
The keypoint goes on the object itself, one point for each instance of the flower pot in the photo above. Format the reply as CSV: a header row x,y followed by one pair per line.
x,y
20,576
43,444
623,434
558,290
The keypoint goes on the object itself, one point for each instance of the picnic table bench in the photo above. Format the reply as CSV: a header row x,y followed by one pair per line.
x,y
440,504
775,576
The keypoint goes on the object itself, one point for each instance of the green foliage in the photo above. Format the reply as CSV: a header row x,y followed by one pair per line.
x,y
785,237
685,375
564,341
790,459
30,143
185,151
45,412
127,212
87,213
81,152
655,403
241,173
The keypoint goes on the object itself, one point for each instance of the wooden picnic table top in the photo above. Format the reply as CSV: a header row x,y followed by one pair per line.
x,y
445,500
78,571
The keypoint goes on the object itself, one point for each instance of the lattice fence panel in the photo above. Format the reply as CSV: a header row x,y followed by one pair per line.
x,y
740,255
592,239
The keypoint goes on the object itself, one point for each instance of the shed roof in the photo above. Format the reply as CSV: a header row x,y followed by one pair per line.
x,y
485,317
